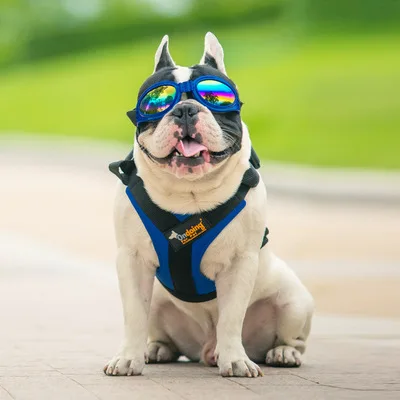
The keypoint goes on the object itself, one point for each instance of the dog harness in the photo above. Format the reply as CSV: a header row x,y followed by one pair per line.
x,y
180,241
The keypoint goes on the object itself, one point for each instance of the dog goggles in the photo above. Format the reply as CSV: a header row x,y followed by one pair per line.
x,y
213,92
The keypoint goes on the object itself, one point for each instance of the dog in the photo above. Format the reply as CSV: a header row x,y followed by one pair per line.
x,y
192,168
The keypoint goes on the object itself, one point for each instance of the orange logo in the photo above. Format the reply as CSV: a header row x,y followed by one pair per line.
x,y
190,233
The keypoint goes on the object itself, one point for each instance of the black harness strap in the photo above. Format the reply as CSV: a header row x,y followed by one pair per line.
x,y
181,274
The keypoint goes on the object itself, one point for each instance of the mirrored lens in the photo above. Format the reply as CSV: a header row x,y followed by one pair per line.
x,y
216,93
158,100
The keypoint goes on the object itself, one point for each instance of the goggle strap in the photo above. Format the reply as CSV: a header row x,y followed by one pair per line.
x,y
186,87
132,116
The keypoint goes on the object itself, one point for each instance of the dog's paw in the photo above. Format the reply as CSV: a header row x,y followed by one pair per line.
x,y
243,367
159,352
208,354
120,366
283,356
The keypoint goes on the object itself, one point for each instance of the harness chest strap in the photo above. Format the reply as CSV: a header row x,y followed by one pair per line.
x,y
180,241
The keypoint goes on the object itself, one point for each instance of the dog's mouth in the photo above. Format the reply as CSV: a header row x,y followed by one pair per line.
x,y
189,152
189,149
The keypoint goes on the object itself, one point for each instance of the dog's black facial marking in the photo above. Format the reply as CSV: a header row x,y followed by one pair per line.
x,y
198,138
144,126
189,162
231,125
186,116
210,60
230,122
165,59
215,161
191,128
187,124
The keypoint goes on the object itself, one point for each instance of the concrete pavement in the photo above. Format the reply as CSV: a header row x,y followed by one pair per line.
x,y
61,321
60,313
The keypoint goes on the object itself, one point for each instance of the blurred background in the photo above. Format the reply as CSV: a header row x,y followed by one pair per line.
x,y
320,81
319,78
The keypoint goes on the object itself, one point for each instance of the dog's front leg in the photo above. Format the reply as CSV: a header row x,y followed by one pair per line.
x,y
136,287
234,289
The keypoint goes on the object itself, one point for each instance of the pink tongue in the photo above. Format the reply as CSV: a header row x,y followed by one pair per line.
x,y
189,147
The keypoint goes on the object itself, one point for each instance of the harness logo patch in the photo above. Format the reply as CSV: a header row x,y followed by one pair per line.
x,y
187,232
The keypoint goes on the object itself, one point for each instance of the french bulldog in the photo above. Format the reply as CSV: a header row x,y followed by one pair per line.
x,y
191,155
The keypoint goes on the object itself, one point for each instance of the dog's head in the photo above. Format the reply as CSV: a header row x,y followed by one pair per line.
x,y
188,118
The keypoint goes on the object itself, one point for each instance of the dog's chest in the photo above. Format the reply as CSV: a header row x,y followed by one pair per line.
x,y
188,255
218,255
220,252
181,242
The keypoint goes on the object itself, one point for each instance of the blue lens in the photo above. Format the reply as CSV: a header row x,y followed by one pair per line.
x,y
216,93
158,100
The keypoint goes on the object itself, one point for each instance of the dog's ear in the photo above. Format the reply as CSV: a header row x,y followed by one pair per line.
x,y
162,58
213,53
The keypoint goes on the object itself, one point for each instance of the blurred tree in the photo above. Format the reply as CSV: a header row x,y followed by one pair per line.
x,y
13,23
352,14
32,29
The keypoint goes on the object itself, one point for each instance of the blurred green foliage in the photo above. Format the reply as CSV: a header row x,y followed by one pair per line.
x,y
33,29
318,81
352,14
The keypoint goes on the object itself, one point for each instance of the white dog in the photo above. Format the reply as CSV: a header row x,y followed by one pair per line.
x,y
191,163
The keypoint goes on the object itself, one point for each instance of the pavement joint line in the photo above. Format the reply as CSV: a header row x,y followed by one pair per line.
x,y
166,388
343,387
82,386
1,386
247,387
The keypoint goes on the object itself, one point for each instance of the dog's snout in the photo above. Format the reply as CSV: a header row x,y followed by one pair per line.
x,y
183,111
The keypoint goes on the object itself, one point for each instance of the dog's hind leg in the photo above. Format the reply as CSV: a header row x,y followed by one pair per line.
x,y
160,347
293,328
294,307
259,329
276,327
276,334
162,352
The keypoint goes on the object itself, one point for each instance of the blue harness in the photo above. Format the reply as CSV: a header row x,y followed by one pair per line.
x,y
180,241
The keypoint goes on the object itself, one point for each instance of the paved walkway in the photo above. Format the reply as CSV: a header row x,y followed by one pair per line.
x,y
60,313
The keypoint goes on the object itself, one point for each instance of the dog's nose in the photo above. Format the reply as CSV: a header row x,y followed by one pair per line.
x,y
185,111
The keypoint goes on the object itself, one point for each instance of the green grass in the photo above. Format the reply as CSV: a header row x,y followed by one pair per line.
x,y
327,100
